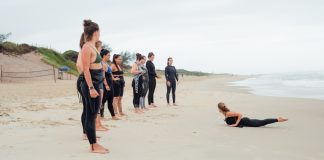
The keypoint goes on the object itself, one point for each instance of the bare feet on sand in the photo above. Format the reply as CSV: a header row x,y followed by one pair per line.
x,y
152,106
138,111
280,119
101,128
122,114
96,148
115,118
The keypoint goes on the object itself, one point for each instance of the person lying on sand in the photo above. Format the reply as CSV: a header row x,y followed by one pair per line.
x,y
234,119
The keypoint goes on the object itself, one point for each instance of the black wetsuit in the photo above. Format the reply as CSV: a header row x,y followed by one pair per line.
x,y
171,75
137,84
92,104
79,83
152,81
118,85
108,95
247,122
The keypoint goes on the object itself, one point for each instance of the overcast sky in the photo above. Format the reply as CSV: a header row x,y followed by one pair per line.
x,y
228,36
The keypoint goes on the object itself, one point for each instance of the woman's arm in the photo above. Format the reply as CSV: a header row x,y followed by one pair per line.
x,y
105,68
166,72
176,75
135,70
151,70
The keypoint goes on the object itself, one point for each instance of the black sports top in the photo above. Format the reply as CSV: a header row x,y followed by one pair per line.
x,y
230,120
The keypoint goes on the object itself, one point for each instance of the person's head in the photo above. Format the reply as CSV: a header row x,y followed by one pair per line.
x,y
99,45
91,31
143,60
82,40
105,54
222,107
151,56
170,61
138,56
117,59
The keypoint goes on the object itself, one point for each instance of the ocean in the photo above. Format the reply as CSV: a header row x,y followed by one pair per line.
x,y
298,85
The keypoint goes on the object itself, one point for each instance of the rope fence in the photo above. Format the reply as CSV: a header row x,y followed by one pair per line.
x,y
30,74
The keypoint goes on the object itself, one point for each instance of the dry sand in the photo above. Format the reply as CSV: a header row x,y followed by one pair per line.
x,y
41,120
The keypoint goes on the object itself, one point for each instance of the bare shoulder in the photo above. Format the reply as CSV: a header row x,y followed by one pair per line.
x,y
113,67
86,49
232,114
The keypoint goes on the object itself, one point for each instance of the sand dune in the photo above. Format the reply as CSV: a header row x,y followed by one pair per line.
x,y
41,120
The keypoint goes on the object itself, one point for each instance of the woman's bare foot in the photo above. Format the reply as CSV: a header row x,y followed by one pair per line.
x,y
150,106
115,118
103,118
175,104
96,148
138,111
122,114
154,105
101,128
280,119
169,105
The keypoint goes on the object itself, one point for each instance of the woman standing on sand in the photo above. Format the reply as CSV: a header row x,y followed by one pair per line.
x,y
118,84
137,82
145,85
171,77
99,126
234,119
152,79
108,95
93,70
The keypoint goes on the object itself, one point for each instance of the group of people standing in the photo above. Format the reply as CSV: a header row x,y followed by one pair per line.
x,y
100,83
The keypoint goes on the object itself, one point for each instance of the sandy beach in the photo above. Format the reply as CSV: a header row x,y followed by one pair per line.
x,y
41,120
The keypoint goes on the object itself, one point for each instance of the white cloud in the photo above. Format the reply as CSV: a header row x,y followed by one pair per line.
x,y
234,36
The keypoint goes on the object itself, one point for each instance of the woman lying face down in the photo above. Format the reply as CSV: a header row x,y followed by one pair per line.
x,y
235,119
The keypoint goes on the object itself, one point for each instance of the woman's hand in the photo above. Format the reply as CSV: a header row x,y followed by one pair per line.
x,y
233,125
93,93
107,88
169,83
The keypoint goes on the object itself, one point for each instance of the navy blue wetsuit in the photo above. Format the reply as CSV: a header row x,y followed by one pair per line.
x,y
171,76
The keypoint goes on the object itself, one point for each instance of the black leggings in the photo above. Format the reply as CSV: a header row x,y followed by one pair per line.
x,y
108,97
247,122
79,83
172,87
152,85
137,92
91,110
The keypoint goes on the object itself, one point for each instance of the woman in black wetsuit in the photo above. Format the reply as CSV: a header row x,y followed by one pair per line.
x,y
235,119
152,79
137,82
118,84
171,77
90,88
108,95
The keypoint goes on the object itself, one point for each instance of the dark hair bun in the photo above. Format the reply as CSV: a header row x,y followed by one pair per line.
x,y
87,22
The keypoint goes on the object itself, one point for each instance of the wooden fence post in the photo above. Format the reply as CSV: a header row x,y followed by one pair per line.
x,y
54,74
